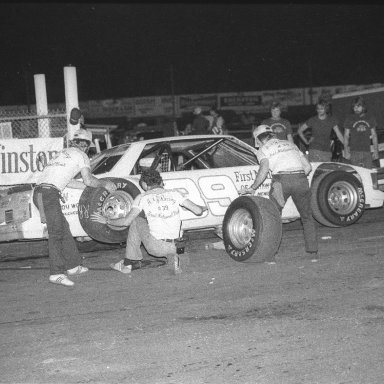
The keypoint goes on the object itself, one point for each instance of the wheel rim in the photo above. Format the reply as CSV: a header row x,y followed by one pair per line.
x,y
117,205
342,197
240,228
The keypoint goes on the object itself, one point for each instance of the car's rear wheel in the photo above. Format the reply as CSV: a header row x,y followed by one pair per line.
x,y
252,227
112,205
338,199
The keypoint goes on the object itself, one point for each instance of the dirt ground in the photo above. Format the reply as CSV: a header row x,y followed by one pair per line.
x,y
220,321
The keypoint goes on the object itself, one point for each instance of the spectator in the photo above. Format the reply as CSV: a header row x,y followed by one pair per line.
x,y
359,129
322,126
217,124
281,127
200,123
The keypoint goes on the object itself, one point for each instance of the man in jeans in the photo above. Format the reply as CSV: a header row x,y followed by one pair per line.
x,y
59,173
289,168
161,227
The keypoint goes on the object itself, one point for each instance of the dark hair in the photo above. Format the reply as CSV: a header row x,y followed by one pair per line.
x,y
151,177
276,104
323,103
359,101
213,108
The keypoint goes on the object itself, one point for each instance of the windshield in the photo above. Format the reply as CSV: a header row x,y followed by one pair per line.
x,y
106,160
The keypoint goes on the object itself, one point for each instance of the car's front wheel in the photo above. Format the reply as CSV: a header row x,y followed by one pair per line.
x,y
252,227
112,205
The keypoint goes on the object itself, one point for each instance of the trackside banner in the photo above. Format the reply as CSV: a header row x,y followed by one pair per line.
x,y
22,160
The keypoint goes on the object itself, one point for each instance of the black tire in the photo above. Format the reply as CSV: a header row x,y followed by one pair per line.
x,y
252,227
99,199
338,199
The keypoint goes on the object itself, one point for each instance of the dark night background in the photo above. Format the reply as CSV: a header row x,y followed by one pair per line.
x,y
127,50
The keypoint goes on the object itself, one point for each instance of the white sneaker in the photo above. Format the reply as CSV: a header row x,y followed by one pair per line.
x,y
61,279
121,267
77,270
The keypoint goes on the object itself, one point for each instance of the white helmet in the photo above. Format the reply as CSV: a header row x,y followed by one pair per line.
x,y
83,134
261,129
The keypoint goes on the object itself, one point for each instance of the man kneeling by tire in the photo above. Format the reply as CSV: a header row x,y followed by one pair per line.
x,y
160,231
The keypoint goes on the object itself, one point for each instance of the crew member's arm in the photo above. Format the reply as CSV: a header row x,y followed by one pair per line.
x,y
198,210
260,177
338,134
301,131
92,181
306,164
375,144
290,138
121,222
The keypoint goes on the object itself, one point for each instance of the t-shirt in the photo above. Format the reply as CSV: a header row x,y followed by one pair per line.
x,y
281,127
200,126
360,131
283,156
162,209
321,132
64,167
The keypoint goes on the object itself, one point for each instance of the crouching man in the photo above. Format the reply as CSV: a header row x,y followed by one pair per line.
x,y
161,228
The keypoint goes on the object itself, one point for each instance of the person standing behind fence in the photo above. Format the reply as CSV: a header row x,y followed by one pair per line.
x,y
200,123
281,127
322,125
59,173
217,126
359,129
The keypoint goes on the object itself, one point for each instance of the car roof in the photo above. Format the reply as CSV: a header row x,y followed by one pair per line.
x,y
123,147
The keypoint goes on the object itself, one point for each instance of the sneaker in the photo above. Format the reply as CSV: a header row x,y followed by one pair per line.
x,y
121,267
77,270
61,279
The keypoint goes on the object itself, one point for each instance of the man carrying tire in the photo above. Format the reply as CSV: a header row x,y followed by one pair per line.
x,y
160,231
59,173
289,168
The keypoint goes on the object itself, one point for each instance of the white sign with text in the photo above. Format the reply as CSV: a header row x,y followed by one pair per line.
x,y
22,160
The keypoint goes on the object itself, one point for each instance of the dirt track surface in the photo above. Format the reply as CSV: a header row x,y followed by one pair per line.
x,y
220,321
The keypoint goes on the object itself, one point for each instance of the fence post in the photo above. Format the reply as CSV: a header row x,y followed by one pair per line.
x,y
42,105
71,97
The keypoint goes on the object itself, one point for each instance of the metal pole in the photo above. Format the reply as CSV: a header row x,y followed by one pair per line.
x,y
71,97
42,105
173,99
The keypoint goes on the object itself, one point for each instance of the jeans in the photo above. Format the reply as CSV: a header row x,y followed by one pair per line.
x,y
62,249
297,186
139,233
361,159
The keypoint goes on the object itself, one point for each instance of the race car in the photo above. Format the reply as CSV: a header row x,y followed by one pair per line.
x,y
210,170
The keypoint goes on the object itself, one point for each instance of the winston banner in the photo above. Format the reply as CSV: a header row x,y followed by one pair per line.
x,y
22,160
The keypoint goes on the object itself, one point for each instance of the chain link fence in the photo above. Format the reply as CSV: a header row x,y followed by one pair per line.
x,y
25,124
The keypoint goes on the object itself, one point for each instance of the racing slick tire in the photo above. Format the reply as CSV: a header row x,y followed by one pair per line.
x,y
338,199
252,226
113,205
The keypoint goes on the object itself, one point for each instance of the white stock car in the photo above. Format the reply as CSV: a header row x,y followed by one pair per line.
x,y
210,170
